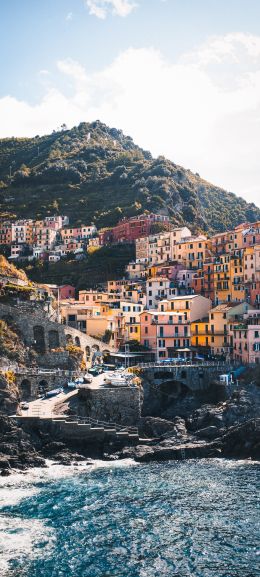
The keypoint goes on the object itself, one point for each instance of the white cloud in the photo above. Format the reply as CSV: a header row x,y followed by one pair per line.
x,y
101,8
202,112
69,16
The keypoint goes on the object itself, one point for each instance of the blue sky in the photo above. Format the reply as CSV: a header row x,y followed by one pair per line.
x,y
182,77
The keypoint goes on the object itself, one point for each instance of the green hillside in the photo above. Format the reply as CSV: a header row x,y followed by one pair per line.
x,y
105,264
94,173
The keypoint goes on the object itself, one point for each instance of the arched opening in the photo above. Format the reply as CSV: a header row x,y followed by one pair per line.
x,y
95,348
183,374
77,342
87,351
106,356
25,387
69,340
43,387
54,340
39,340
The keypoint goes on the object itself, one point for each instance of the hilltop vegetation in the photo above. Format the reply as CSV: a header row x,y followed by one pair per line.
x,y
94,173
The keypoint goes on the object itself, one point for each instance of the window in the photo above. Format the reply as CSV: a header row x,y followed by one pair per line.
x,y
146,330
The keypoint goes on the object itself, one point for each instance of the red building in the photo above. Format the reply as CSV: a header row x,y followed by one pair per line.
x,y
62,292
105,236
129,229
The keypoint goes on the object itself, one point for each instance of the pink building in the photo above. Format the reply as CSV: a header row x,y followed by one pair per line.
x,y
254,294
167,332
246,338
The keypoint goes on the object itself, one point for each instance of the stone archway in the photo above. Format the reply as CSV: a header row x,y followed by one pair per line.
x,y
25,388
69,339
43,387
87,353
95,348
54,339
106,355
77,342
39,339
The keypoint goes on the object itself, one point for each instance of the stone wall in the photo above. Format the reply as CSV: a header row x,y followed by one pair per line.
x,y
120,405
195,378
39,333
37,330
31,385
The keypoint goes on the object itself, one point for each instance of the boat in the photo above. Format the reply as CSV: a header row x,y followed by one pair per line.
x,y
53,393
117,379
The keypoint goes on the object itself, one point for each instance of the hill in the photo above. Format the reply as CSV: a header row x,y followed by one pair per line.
x,y
94,173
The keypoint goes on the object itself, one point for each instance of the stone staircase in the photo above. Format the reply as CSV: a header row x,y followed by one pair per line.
x,y
87,428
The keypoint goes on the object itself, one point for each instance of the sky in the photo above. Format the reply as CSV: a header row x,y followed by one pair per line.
x,y
182,77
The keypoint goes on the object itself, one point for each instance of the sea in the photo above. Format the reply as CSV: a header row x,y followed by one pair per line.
x,y
193,518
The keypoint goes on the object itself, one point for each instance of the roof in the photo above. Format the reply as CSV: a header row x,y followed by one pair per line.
x,y
203,320
182,298
225,307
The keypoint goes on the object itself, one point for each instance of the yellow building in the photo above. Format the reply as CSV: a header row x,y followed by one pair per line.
x,y
221,318
222,278
213,331
200,333
238,293
131,315
193,252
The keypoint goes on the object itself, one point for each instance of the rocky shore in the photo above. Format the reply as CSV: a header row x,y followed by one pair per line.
x,y
229,429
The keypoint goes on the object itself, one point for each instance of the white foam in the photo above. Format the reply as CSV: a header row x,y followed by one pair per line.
x,y
18,538
20,485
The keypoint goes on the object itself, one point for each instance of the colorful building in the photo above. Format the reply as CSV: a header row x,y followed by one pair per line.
x,y
167,331
129,229
246,338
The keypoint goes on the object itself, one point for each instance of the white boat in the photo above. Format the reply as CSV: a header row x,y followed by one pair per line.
x,y
117,379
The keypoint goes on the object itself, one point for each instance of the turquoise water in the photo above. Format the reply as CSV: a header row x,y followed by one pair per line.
x,y
192,518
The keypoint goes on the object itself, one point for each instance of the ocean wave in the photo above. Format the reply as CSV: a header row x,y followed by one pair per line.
x,y
22,540
20,485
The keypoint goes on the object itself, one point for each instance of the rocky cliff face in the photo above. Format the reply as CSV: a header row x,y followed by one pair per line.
x,y
228,429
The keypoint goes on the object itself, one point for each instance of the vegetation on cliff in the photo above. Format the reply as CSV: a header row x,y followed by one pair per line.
x,y
104,264
94,173
7,269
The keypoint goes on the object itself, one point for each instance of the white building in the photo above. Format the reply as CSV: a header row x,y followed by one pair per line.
x,y
159,288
